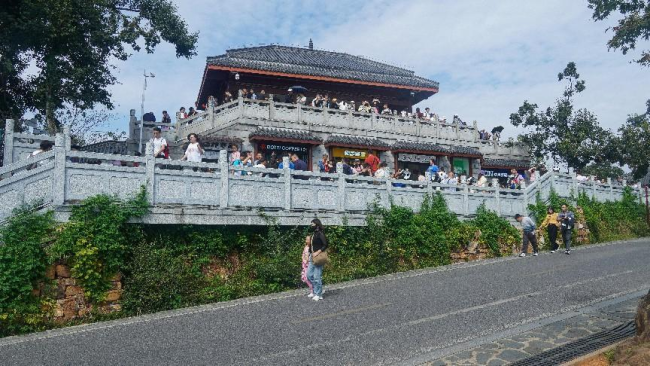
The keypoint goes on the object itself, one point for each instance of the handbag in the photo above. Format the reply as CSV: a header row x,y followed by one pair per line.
x,y
320,260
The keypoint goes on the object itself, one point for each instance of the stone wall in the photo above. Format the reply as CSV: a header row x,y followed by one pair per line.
x,y
71,303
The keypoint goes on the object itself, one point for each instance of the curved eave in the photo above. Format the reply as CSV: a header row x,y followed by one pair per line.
x,y
280,139
319,78
420,152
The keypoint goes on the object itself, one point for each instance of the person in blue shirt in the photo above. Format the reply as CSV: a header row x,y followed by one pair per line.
x,y
529,234
433,168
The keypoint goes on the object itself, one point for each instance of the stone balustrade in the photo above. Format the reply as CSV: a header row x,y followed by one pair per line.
x,y
218,194
268,113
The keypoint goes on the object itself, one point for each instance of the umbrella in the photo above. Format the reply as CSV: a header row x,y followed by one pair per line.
x,y
298,89
497,129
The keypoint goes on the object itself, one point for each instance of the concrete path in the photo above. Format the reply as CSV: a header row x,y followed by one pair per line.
x,y
409,318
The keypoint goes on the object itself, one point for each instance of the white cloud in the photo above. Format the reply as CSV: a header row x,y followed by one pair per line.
x,y
488,56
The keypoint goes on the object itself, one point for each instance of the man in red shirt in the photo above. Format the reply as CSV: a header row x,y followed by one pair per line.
x,y
373,161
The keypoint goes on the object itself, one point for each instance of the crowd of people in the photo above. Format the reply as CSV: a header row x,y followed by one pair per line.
x,y
325,101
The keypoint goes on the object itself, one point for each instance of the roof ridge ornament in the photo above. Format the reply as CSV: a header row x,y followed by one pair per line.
x,y
311,44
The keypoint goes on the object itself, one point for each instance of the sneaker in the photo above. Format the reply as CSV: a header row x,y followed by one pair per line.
x,y
568,252
311,295
535,254
552,251
317,298
522,255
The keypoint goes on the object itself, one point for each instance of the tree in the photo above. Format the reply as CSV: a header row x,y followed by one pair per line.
x,y
632,143
73,45
633,27
603,170
574,138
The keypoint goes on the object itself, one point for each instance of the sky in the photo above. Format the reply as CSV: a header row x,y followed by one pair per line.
x,y
488,56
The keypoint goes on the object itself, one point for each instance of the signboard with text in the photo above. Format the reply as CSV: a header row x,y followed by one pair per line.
x,y
341,152
415,158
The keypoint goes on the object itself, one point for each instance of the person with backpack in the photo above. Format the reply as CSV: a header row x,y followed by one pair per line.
x,y
317,258
160,148
567,220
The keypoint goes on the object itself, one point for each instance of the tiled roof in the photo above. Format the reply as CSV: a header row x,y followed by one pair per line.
x,y
419,146
108,147
487,163
283,134
217,140
466,150
356,141
305,61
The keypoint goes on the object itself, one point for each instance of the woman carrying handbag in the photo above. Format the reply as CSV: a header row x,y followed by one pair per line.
x,y
317,259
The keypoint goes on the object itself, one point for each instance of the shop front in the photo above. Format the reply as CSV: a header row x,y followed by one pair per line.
x,y
353,147
416,156
273,152
416,162
274,144
500,169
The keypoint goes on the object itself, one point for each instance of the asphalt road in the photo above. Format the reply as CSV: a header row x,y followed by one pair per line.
x,y
388,320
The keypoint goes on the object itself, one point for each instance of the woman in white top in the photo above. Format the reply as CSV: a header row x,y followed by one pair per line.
x,y
382,171
482,180
194,151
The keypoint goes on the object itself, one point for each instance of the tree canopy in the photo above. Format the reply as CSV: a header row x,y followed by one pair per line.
x,y
632,143
632,27
559,132
61,54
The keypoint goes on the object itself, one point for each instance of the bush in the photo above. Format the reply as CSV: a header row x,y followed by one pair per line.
x,y
95,241
496,232
22,269
157,279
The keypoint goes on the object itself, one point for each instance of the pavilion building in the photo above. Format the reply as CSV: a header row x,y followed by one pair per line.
x,y
277,125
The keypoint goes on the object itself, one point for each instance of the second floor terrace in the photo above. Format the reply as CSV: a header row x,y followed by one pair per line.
x,y
388,127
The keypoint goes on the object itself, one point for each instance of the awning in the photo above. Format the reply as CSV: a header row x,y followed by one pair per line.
x,y
419,148
356,142
284,135
464,151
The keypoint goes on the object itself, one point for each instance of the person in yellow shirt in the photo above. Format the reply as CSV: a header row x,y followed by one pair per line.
x,y
552,224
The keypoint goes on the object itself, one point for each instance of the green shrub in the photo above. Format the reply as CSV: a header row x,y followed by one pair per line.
x,y
95,241
496,232
23,262
157,279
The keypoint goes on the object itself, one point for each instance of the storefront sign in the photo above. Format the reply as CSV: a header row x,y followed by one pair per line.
x,y
415,158
341,152
498,173
283,148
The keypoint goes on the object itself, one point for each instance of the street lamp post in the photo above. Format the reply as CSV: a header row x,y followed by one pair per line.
x,y
144,88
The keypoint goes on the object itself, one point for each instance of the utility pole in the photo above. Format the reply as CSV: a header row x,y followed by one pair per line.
x,y
144,88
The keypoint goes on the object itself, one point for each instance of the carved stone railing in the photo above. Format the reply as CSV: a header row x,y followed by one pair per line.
x,y
353,121
213,191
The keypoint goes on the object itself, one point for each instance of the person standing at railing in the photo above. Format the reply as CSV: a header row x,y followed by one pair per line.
x,y
567,221
551,223
166,118
373,161
482,180
234,155
323,164
194,151
160,148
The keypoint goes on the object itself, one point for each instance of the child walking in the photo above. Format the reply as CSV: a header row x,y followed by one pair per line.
x,y
305,264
